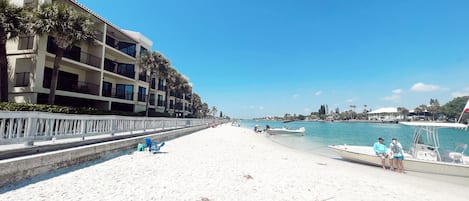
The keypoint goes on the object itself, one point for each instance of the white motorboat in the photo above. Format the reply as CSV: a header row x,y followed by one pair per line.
x,y
286,131
423,155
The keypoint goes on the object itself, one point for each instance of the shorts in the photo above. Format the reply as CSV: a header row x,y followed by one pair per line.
x,y
399,157
382,155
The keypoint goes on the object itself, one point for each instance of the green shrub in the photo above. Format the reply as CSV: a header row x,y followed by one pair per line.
x,y
6,106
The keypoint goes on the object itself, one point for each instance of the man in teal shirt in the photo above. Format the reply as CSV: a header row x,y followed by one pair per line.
x,y
381,151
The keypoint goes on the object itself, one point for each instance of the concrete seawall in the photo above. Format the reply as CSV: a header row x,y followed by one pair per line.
x,y
16,169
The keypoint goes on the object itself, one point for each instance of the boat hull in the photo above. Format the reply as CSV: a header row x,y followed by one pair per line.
x,y
365,155
283,131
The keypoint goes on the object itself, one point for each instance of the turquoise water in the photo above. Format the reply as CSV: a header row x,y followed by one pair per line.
x,y
319,135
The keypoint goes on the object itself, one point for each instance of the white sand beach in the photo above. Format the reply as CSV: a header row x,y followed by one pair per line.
x,y
232,163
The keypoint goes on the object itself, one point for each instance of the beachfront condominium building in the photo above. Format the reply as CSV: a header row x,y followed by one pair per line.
x,y
104,74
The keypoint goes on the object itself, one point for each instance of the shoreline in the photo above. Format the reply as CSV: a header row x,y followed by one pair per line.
x,y
233,163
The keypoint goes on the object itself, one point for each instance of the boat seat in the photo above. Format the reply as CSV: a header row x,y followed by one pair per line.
x,y
458,154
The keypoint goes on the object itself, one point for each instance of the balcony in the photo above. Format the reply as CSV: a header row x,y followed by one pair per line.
x,y
73,86
126,70
114,93
124,47
75,54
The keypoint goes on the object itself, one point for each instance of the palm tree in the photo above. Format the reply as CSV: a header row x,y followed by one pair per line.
x,y
67,26
196,105
185,89
205,109
151,61
14,21
170,78
403,111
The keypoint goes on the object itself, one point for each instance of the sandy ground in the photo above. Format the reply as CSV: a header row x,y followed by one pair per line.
x,y
230,163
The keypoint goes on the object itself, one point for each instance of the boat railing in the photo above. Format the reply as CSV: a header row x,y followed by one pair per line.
x,y
19,126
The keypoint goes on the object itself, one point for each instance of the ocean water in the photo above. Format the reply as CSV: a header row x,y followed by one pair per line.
x,y
319,135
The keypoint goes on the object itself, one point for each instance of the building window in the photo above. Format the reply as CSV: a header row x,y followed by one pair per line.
x,y
111,41
65,81
161,84
153,83
124,91
107,89
141,94
127,48
109,65
171,104
152,99
160,100
127,70
142,50
143,75
22,79
25,42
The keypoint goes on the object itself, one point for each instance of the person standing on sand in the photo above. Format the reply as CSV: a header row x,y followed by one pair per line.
x,y
381,151
398,154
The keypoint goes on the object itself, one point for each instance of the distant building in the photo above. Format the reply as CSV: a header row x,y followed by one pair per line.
x,y
104,74
385,114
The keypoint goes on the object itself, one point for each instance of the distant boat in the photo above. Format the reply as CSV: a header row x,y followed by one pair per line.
x,y
288,121
285,131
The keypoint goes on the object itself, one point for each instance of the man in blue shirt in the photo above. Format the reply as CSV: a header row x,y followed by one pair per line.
x,y
381,151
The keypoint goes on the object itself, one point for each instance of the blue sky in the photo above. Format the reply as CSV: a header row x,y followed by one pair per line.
x,y
266,57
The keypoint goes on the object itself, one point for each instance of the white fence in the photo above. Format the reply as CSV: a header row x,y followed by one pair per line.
x,y
18,127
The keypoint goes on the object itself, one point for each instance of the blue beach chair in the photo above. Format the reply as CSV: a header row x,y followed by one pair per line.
x,y
153,147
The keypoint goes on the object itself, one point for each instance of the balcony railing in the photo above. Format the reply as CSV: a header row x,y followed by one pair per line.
x,y
124,47
73,54
74,86
113,93
126,70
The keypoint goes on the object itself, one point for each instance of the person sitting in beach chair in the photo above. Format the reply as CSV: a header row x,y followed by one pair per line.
x,y
153,147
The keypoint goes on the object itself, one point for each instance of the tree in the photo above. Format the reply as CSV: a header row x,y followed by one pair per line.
x,y
151,61
196,105
421,110
169,75
67,26
205,110
14,21
453,109
434,108
403,111
221,114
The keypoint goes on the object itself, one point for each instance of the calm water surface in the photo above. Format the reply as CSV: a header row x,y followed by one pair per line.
x,y
319,135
